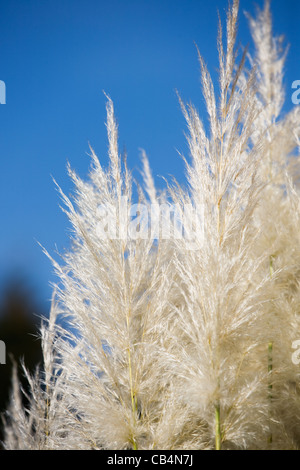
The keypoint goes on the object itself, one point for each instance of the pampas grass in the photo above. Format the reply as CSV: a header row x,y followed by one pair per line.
x,y
180,336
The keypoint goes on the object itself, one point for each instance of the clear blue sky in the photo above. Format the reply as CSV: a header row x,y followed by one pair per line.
x,y
56,57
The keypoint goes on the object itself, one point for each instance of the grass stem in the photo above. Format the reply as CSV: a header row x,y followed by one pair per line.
x,y
218,437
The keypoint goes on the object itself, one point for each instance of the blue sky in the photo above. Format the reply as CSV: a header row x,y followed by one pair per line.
x,y
56,58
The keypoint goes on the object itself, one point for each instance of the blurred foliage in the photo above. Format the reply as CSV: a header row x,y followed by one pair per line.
x,y
19,329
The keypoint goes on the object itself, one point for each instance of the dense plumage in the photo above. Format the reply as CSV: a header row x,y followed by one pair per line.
x,y
182,341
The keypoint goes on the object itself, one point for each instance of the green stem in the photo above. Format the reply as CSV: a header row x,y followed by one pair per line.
x,y
270,367
134,445
270,386
132,395
270,360
218,427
